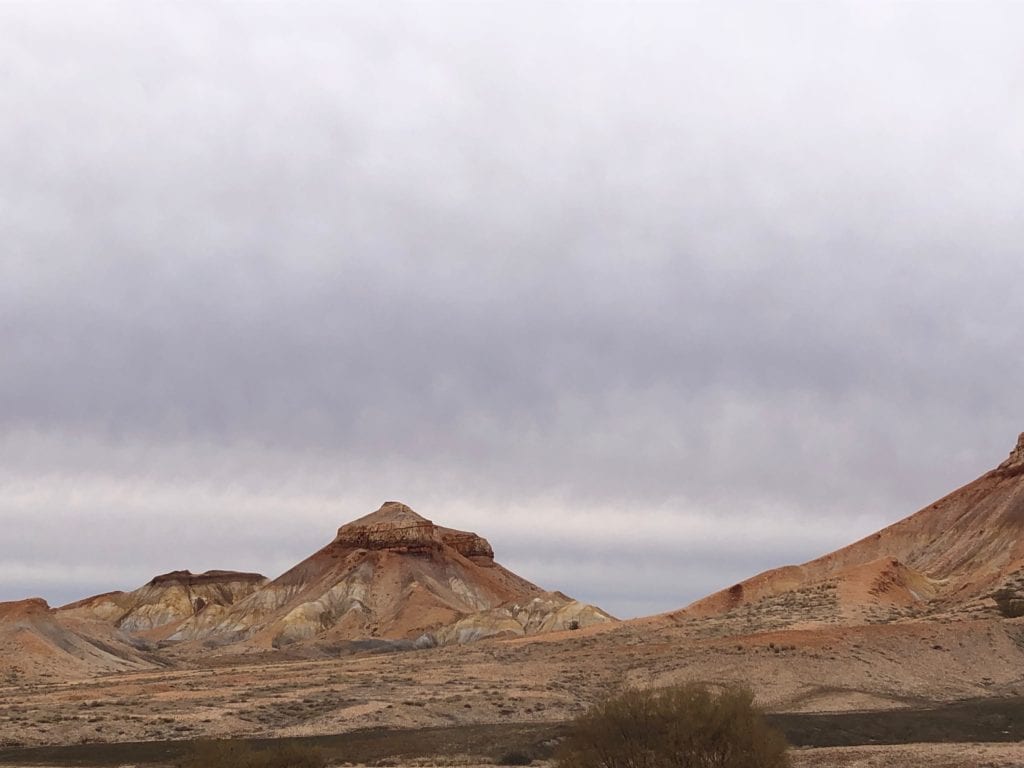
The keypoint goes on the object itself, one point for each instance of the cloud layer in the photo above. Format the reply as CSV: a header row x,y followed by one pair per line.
x,y
654,297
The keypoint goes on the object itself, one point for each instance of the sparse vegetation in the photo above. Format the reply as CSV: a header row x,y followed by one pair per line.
x,y
514,757
675,727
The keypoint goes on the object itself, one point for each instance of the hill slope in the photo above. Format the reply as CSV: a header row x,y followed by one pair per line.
x,y
962,554
158,608
37,642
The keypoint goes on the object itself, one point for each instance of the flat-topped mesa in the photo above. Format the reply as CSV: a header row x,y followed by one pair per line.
x,y
189,579
398,528
394,526
1016,458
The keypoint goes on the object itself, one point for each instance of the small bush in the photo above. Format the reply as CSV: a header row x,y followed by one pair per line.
x,y
514,757
677,727
239,754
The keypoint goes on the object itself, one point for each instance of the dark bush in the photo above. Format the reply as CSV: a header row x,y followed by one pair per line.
x,y
239,754
514,757
677,727
1009,603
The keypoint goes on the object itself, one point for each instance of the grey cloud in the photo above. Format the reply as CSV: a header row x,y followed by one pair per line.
x,y
630,257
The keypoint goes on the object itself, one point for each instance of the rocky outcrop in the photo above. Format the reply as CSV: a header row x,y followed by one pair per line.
x,y
1016,458
397,528
393,527
476,548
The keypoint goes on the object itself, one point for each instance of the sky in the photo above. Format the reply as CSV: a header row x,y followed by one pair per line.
x,y
653,296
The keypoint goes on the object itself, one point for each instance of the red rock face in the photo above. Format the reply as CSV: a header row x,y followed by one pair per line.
x,y
392,527
469,545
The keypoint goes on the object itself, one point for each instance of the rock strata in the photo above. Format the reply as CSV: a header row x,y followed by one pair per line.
x,y
393,527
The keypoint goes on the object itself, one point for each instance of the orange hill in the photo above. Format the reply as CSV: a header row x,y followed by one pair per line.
x,y
962,554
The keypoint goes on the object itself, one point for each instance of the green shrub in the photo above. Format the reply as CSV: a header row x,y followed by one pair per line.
x,y
678,727
239,754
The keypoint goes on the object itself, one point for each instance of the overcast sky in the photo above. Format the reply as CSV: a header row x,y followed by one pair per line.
x,y
654,297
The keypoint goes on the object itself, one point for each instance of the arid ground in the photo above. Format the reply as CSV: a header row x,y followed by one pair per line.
x,y
841,691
